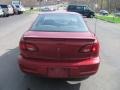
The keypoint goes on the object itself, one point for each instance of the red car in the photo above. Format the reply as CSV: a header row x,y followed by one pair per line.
x,y
59,45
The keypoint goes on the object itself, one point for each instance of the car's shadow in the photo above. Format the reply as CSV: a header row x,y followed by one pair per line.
x,y
11,78
36,83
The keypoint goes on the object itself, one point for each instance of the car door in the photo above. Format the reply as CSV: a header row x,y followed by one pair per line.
x,y
86,11
80,9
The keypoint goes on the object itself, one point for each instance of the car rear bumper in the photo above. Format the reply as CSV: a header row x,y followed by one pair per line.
x,y
57,69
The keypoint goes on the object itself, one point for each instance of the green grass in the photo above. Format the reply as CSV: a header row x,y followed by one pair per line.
x,y
109,18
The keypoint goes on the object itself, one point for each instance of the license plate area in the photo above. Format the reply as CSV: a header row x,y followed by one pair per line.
x,y
58,72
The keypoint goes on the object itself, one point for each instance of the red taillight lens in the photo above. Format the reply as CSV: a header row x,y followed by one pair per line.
x,y
27,46
93,49
86,49
22,46
30,47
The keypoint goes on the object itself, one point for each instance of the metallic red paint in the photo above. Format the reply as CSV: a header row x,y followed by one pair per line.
x,y
45,68
59,54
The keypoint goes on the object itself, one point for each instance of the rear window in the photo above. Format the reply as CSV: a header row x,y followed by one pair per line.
x,y
60,22
73,7
4,6
17,6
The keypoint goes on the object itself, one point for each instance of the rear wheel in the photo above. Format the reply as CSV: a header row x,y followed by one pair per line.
x,y
77,79
6,15
20,12
91,16
16,12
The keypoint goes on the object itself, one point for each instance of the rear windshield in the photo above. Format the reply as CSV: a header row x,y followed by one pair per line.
x,y
73,7
17,6
60,23
4,6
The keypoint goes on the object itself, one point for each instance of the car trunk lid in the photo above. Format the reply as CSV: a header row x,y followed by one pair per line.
x,y
58,45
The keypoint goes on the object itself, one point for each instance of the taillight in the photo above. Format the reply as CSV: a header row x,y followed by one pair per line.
x,y
86,49
93,49
27,46
30,47
22,45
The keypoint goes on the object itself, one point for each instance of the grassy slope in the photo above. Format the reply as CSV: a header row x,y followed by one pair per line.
x,y
109,18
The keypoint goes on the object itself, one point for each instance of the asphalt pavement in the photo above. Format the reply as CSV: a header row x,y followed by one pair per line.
x,y
11,78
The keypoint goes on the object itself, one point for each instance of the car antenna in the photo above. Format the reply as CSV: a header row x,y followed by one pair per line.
x,y
95,26
96,6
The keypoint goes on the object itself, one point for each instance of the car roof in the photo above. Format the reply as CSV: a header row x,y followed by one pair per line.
x,y
3,4
77,5
61,12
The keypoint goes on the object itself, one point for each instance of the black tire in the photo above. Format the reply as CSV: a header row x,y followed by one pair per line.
x,y
77,79
7,15
19,12
16,12
91,16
